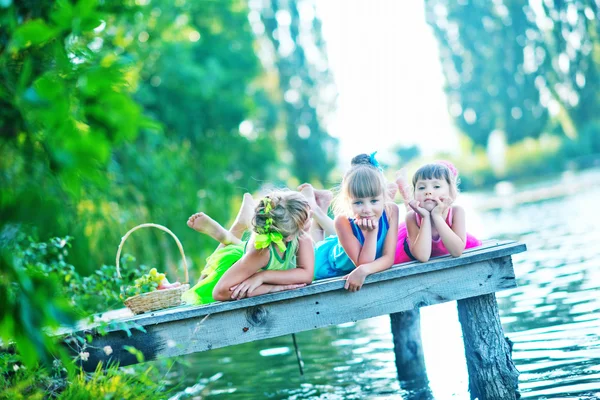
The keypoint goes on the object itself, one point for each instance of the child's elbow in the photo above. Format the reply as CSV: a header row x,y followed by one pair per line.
x,y
419,255
423,258
456,253
221,294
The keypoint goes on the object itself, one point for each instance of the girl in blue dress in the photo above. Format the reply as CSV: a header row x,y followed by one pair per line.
x,y
364,216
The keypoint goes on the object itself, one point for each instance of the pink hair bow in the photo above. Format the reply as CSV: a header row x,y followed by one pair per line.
x,y
450,166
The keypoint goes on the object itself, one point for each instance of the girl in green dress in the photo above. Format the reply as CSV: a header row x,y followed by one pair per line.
x,y
278,254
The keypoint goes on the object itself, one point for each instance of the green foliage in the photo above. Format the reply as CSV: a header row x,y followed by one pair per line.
x,y
113,384
126,113
95,293
116,113
45,264
488,83
20,382
306,84
514,67
25,291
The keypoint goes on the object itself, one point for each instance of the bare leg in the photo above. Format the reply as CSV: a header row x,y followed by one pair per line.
x,y
204,224
323,222
316,232
243,220
404,187
323,198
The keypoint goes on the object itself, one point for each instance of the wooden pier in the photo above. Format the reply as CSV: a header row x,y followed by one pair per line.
x,y
472,279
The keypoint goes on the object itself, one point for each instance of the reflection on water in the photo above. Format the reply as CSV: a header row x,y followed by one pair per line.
x,y
553,318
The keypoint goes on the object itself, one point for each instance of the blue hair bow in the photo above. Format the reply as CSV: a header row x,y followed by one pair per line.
x,y
373,161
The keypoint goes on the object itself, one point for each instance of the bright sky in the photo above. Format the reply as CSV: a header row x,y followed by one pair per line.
x,y
385,62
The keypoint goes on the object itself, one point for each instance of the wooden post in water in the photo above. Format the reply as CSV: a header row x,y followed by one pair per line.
x,y
408,349
492,373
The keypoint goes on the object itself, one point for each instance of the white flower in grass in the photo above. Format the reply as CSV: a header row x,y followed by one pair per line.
x,y
107,350
84,355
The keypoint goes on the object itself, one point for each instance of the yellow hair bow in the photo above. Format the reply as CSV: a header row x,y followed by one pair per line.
x,y
264,240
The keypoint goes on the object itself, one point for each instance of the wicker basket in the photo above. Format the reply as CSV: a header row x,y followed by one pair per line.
x,y
158,299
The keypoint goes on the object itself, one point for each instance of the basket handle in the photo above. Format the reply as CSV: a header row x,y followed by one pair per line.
x,y
162,228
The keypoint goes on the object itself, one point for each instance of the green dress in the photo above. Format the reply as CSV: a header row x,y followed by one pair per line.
x,y
223,258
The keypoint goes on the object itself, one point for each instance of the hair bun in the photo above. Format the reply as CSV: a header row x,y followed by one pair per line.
x,y
361,159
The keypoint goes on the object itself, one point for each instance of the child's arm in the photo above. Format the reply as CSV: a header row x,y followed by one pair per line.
x,y
304,271
455,238
268,281
419,238
356,278
359,254
261,289
244,268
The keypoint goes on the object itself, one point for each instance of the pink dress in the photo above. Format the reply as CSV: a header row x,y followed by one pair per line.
x,y
437,246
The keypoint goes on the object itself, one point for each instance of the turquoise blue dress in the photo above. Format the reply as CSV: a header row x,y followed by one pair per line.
x,y
330,258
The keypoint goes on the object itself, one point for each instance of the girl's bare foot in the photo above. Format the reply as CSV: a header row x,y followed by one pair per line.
x,y
323,198
308,192
204,224
392,189
403,185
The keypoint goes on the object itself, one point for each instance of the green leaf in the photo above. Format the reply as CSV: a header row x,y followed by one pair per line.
x,y
138,354
63,14
32,33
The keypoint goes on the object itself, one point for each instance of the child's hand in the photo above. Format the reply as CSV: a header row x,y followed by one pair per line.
x,y
442,204
246,288
367,225
355,280
416,206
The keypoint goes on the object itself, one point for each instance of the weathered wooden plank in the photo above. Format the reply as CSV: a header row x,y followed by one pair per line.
x,y
228,326
489,250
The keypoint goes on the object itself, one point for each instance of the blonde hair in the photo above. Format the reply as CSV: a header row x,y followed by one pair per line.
x,y
288,211
363,179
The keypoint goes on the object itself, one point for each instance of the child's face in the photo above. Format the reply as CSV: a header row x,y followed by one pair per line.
x,y
368,207
426,190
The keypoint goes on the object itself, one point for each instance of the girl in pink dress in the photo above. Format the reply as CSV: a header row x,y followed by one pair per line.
x,y
433,225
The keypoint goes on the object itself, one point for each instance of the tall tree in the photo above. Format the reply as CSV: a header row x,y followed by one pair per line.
x,y
306,83
488,83
514,66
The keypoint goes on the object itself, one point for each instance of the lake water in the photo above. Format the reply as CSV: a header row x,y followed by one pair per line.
x,y
553,318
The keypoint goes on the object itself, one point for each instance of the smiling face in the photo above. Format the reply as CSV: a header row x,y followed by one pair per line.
x,y
426,190
363,193
370,207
